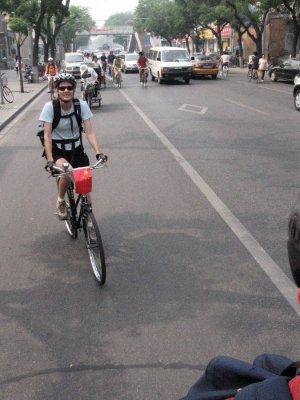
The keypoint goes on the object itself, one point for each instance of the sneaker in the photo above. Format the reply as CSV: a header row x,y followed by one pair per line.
x,y
61,210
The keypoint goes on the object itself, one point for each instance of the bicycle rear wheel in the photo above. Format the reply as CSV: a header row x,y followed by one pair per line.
x,y
7,94
95,247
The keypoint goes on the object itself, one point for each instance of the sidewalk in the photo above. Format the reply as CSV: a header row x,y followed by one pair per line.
x,y
8,111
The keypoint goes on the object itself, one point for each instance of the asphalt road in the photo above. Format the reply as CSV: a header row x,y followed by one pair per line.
x,y
193,211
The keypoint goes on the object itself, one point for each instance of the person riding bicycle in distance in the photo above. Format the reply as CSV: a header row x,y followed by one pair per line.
x,y
92,79
117,64
63,144
224,59
142,62
255,61
50,72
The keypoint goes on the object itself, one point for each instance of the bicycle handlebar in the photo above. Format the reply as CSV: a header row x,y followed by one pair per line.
x,y
99,164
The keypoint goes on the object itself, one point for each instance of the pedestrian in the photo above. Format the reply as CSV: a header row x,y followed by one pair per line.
x,y
17,65
262,67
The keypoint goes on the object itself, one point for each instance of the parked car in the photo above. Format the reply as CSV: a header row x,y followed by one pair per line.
x,y
204,66
284,69
71,63
296,93
129,62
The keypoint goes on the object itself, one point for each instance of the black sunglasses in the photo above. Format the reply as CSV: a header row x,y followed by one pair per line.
x,y
63,88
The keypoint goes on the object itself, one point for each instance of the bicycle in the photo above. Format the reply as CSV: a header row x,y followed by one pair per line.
x,y
6,92
118,77
224,71
80,215
144,76
51,86
252,75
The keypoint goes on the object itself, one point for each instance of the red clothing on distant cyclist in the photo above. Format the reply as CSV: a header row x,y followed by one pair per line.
x,y
142,62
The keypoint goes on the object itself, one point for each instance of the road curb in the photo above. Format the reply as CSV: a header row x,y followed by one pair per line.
x,y
4,123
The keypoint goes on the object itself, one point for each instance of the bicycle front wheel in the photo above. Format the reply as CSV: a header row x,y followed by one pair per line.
x,y
71,222
7,94
95,247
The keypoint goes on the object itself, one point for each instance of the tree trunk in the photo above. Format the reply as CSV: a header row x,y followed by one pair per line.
x,y
187,44
53,47
295,40
20,68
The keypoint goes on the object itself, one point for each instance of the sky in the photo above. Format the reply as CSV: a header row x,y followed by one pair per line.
x,y
102,9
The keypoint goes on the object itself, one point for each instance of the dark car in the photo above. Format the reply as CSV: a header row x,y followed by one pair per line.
x,y
284,69
296,93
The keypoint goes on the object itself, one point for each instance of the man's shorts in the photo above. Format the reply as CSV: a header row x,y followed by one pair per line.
x,y
76,158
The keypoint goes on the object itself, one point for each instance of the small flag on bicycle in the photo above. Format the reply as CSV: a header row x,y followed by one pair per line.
x,y
83,180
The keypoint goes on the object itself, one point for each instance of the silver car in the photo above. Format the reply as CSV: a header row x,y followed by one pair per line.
x,y
129,62
71,63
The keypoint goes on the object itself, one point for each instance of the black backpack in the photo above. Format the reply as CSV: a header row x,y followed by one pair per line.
x,y
56,118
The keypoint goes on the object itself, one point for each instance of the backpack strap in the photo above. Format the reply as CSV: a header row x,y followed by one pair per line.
x,y
57,113
77,110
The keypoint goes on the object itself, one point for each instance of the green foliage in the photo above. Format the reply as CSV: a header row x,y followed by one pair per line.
x,y
78,20
119,19
161,18
20,28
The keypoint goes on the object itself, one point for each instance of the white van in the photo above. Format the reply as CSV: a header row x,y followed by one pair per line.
x,y
167,63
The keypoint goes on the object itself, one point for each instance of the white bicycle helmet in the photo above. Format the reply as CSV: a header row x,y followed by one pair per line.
x,y
64,78
50,59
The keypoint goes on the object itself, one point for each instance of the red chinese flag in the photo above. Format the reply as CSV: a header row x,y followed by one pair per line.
x,y
294,386
83,180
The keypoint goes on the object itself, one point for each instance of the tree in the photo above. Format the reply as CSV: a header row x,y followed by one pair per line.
x,y
293,10
252,17
119,19
161,18
20,29
79,19
51,26
38,13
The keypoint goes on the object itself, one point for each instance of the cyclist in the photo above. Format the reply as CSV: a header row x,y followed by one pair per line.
x,y
63,144
117,63
224,60
142,63
110,60
255,62
93,79
103,59
50,72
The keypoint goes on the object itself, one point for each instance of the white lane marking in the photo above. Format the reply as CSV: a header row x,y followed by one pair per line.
x,y
263,86
275,90
267,264
246,107
193,109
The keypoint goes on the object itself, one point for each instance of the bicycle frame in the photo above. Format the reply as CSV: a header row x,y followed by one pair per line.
x,y
84,219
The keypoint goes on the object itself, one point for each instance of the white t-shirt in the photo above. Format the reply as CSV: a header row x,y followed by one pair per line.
x,y
224,58
64,127
263,64
93,77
